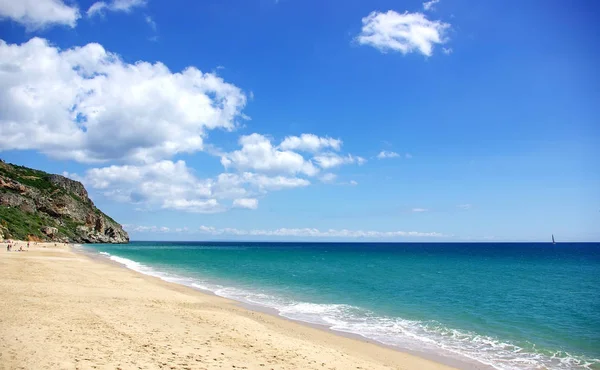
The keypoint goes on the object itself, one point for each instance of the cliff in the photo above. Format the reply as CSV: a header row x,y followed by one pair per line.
x,y
35,205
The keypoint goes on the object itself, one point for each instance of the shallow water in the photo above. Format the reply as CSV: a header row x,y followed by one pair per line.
x,y
511,306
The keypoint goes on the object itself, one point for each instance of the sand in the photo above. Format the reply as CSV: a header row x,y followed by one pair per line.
x,y
64,310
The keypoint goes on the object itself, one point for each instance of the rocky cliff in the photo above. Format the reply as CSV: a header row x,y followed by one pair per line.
x,y
35,205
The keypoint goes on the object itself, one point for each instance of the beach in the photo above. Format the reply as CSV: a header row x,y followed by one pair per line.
x,y
65,310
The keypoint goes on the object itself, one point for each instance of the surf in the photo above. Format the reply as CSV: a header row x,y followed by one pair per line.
x,y
421,336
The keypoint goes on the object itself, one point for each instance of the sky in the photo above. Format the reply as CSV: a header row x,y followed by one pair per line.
x,y
446,120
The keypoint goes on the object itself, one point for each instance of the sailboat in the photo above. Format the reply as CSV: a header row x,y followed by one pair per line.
x,y
553,242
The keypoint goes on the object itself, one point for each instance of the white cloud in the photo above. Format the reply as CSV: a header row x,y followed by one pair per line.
x,y
419,210
150,22
330,160
250,203
172,185
146,229
292,232
310,232
429,5
408,156
164,184
207,229
464,206
36,14
231,185
88,105
310,143
447,51
406,33
194,206
266,183
96,8
328,178
126,6
259,154
386,154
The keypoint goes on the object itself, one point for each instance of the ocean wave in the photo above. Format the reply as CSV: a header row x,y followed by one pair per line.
x,y
420,336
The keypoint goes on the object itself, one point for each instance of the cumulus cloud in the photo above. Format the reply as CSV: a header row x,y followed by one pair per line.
x,y
386,154
173,185
310,232
429,5
126,6
406,32
250,203
310,143
36,14
88,105
164,184
330,160
259,154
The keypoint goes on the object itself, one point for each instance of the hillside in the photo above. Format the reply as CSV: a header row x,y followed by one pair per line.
x,y
35,205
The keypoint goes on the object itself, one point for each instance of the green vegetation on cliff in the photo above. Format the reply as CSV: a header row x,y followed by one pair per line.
x,y
38,205
28,177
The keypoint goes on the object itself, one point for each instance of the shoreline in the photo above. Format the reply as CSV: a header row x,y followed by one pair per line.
x,y
462,363
65,309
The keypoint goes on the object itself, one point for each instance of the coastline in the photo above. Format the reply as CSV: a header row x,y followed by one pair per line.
x,y
65,309
460,361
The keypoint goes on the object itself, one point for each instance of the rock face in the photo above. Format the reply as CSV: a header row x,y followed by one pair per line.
x,y
50,231
38,205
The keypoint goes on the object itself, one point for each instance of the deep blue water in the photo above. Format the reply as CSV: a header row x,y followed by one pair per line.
x,y
517,305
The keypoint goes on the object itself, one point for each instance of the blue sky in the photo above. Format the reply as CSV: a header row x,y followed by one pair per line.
x,y
310,120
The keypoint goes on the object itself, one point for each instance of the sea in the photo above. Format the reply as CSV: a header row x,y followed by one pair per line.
x,y
498,305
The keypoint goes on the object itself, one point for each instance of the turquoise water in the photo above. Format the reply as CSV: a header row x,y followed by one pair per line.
x,y
511,306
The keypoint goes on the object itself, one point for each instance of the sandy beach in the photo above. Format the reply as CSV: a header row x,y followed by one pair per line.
x,y
65,310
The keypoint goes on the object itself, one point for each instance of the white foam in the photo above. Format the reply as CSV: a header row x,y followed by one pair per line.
x,y
407,334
